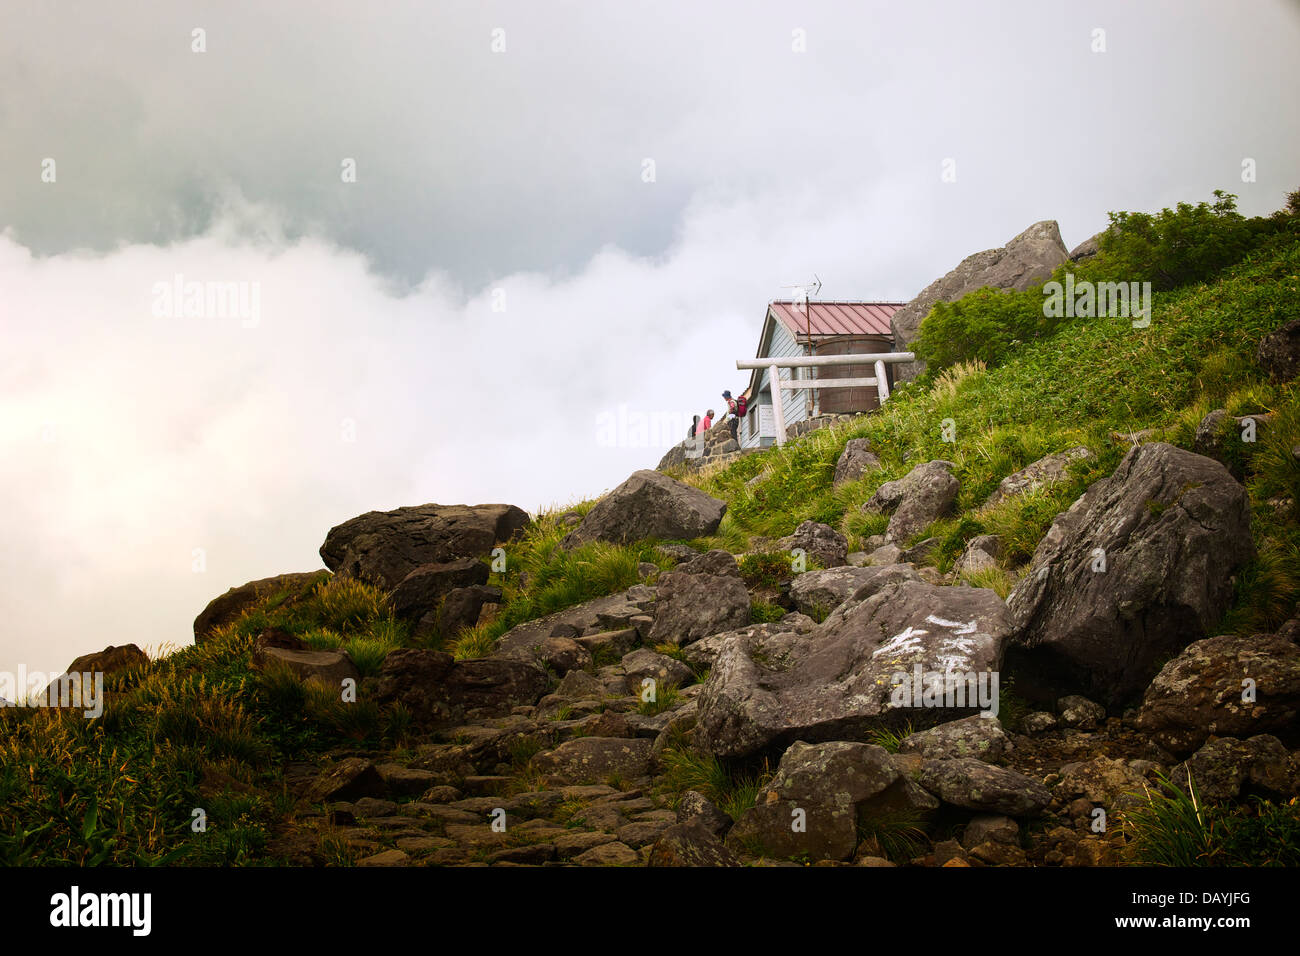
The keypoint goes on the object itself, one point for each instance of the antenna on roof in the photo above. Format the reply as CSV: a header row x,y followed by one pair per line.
x,y
805,291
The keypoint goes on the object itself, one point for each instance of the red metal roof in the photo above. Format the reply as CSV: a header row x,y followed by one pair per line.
x,y
837,318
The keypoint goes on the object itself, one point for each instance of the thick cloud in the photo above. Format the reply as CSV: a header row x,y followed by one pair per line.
x,y
489,179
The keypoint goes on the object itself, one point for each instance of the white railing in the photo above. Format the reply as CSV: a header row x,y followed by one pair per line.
x,y
880,379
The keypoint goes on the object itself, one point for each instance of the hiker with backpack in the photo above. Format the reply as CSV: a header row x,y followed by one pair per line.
x,y
736,408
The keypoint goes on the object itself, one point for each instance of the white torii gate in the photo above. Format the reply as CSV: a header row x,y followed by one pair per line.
x,y
880,380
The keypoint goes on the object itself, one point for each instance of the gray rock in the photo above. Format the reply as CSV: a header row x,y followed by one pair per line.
x,y
919,552
405,781
711,562
704,652
827,589
579,685
924,495
348,780
421,592
1108,783
696,806
855,461
386,546
1040,474
681,552
66,689
980,737
1080,713
613,612
564,654
649,505
1225,767
982,553
1200,692
664,670
885,555
461,608
826,783
1173,528
975,785
1088,248
613,643
691,843
990,828
595,759
441,691
838,681
1279,352
1038,722
783,829
1027,259
692,606
821,542
608,854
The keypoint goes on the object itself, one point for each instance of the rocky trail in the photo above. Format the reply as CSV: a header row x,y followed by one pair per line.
x,y
661,725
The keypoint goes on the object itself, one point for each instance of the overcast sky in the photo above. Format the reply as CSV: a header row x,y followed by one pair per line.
x,y
558,208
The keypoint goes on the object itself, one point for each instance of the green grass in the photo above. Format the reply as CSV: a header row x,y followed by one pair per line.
x,y
1175,828
732,790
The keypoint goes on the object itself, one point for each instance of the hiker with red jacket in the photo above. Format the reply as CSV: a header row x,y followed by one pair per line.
x,y
705,423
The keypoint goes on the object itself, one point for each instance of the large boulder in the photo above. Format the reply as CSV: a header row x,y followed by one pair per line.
x,y
856,671
820,542
649,505
421,592
1203,692
1027,259
385,546
1140,566
925,494
1041,473
66,689
228,607
439,690
691,606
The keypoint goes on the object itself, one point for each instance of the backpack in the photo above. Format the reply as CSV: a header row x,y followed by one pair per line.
x,y
740,407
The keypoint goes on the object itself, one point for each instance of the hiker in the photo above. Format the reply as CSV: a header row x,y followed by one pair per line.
x,y
706,423
695,424
736,407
